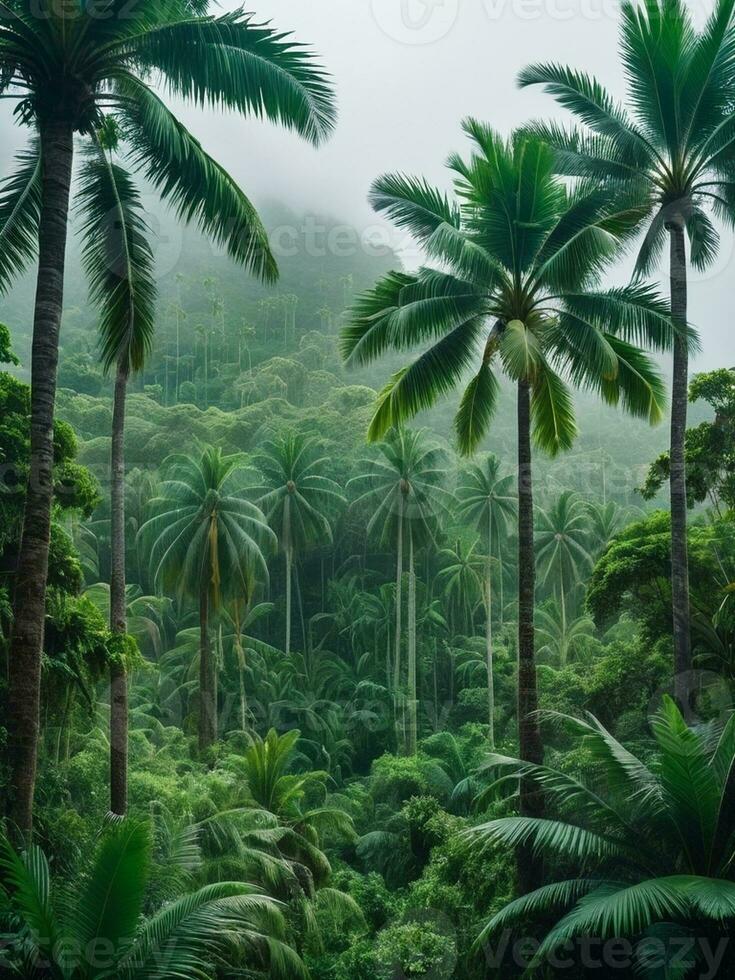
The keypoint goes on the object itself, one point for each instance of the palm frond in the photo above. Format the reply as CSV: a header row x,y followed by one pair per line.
x,y
234,62
20,212
118,261
198,188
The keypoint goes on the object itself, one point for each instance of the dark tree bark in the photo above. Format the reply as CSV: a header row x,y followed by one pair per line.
x,y
24,673
118,617
529,735
207,703
678,483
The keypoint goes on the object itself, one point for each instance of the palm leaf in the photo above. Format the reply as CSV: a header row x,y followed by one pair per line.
x,y
186,177
234,62
20,212
552,413
476,410
111,900
118,261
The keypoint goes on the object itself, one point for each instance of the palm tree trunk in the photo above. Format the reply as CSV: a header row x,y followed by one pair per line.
x,y
399,624
412,691
678,486
489,640
207,708
24,673
118,618
178,349
563,604
501,570
289,578
243,692
300,600
529,735
206,370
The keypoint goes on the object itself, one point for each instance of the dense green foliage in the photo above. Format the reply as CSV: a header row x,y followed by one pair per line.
x,y
358,840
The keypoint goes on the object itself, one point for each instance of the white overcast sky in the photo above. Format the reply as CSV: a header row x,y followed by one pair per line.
x,y
407,72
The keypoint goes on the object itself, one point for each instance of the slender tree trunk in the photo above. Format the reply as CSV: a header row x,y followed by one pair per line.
x,y
529,736
489,639
679,401
243,697
217,662
241,665
412,688
24,673
563,605
118,618
300,601
289,578
399,625
207,707
178,349
501,571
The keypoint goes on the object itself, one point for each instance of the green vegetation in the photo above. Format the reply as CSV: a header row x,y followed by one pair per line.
x,y
316,665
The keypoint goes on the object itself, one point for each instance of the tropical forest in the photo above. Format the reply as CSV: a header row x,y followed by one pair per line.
x,y
367,490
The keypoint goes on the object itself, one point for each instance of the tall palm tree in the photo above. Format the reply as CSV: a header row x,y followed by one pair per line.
x,y
377,612
204,539
520,253
191,935
673,148
487,500
461,577
404,489
562,546
298,501
70,68
652,839
119,263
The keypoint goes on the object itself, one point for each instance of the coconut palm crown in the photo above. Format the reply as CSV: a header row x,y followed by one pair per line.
x,y
519,256
93,68
674,142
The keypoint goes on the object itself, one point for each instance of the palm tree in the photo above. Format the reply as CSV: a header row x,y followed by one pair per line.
x,y
520,254
119,263
191,935
403,488
270,767
673,151
78,70
238,645
461,578
205,538
562,552
377,611
605,522
652,840
298,500
487,500
559,637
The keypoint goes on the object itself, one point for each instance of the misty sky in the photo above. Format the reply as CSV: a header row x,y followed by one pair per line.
x,y
407,72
